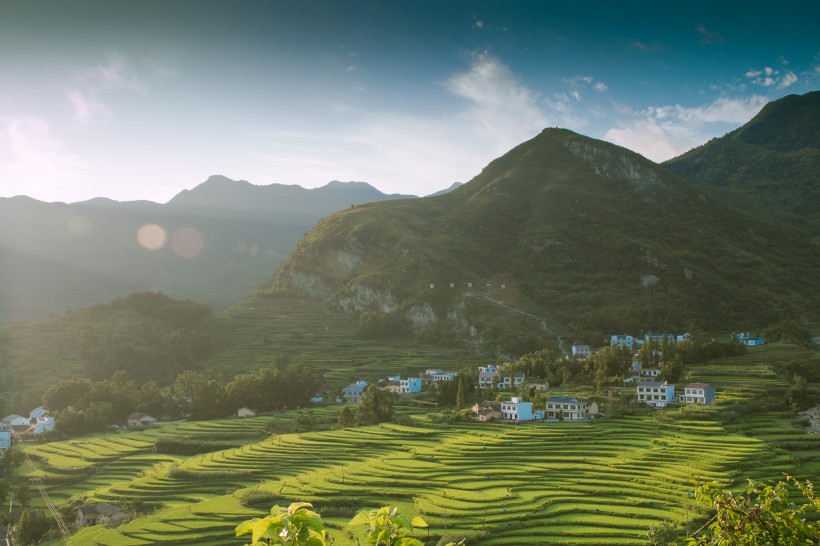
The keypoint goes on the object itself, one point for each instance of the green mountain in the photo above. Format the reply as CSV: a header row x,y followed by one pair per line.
x,y
222,240
771,164
563,234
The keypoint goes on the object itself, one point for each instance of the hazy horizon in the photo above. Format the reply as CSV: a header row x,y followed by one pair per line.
x,y
141,100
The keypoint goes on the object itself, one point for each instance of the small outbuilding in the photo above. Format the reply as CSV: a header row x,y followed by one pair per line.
x,y
140,420
101,513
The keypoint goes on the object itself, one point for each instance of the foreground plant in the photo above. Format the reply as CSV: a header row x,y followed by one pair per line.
x,y
761,515
296,525
389,528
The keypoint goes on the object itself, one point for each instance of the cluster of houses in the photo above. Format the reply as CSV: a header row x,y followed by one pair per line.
x,y
660,395
556,408
38,422
352,394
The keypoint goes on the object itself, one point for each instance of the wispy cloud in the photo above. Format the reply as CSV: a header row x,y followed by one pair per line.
x,y
663,132
643,46
90,84
425,153
707,37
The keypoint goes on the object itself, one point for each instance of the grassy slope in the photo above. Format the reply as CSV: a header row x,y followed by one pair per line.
x,y
570,483
573,225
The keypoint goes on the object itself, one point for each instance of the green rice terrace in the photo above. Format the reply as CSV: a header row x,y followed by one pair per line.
x,y
599,482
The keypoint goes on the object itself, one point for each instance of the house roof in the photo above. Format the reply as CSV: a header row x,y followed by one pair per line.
x,y
101,508
562,400
488,411
13,416
698,385
653,384
354,388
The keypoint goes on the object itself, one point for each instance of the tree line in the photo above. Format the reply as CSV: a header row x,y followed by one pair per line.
x,y
83,405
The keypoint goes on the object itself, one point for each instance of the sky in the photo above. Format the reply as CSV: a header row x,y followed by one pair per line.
x,y
134,100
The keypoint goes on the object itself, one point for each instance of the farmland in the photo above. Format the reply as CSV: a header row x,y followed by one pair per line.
x,y
602,482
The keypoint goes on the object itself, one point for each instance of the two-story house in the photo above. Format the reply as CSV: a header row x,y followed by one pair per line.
x,y
655,393
698,393
580,351
517,410
353,393
566,408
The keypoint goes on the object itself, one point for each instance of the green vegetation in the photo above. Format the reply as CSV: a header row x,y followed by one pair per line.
x,y
762,515
602,482
768,165
533,221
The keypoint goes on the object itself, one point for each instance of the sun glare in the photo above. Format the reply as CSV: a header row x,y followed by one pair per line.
x,y
186,242
151,236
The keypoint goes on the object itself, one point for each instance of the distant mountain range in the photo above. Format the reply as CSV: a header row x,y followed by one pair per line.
x,y
223,239
562,235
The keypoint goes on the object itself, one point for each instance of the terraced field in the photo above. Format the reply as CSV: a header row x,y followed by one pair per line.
x,y
602,482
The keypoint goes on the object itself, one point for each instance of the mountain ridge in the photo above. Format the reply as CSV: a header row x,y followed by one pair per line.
x,y
584,233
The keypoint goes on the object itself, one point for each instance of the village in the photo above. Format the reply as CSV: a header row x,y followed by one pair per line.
x,y
518,409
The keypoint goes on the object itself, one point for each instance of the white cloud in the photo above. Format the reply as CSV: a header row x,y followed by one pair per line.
x,y
90,84
600,87
769,77
31,155
661,133
789,78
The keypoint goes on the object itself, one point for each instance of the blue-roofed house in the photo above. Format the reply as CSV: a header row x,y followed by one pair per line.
x,y
353,393
565,408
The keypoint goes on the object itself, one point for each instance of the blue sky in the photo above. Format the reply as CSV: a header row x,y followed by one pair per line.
x,y
140,100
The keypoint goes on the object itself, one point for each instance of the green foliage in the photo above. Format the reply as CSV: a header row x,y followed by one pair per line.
x,y
787,331
346,418
296,525
661,534
761,515
386,527
375,407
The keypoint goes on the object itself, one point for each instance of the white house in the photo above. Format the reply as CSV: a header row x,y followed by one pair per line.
x,y
353,392
245,411
139,420
517,410
100,513
650,372
538,384
580,351
437,374
16,421
410,385
698,393
656,394
746,339
486,376
512,381
392,386
566,408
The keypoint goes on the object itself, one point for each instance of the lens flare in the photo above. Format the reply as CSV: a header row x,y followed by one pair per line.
x,y
186,242
151,236
78,225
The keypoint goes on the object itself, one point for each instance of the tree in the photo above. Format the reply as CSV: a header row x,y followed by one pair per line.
x,y
460,395
296,525
346,418
389,528
4,490
761,515
22,495
662,534
376,406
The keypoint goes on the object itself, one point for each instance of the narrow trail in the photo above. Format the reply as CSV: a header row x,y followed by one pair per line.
x,y
519,311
